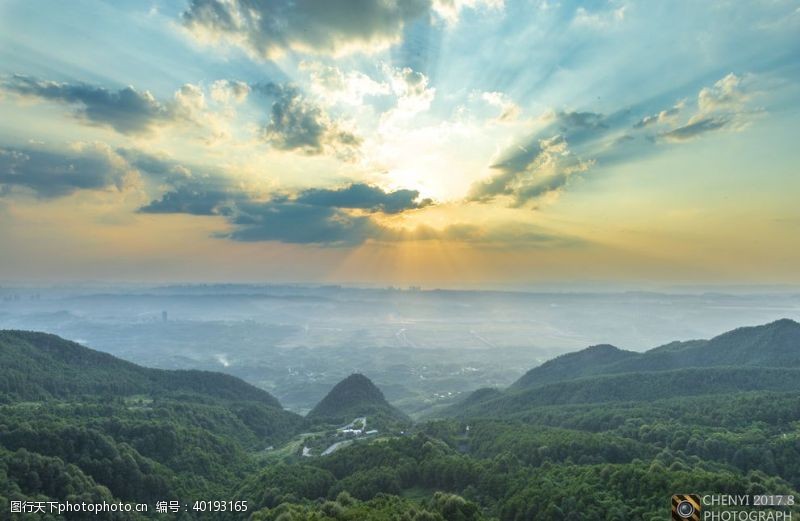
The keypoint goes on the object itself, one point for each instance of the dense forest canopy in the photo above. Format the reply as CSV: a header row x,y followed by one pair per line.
x,y
595,435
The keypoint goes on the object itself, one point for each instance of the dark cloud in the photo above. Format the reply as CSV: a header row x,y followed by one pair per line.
x,y
312,216
193,190
282,218
269,28
365,197
292,222
160,167
50,174
695,128
192,199
127,110
316,215
299,124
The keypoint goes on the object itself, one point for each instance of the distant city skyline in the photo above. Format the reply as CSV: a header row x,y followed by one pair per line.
x,y
440,143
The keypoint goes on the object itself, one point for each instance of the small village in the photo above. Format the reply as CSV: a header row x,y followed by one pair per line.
x,y
331,441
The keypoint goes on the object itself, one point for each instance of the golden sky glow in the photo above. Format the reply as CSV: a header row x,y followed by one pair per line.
x,y
444,143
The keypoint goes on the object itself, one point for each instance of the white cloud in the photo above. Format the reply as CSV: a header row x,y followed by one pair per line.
x,y
413,93
334,86
229,91
599,19
725,94
190,98
450,10
722,105
509,110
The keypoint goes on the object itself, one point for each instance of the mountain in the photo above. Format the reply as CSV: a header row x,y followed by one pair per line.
x,y
573,365
631,387
357,396
43,368
758,358
37,366
78,421
592,446
776,344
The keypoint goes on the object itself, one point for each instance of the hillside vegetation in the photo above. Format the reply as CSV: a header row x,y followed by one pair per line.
x,y
601,434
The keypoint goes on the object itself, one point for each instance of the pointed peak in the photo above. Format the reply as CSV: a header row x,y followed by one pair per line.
x,y
352,397
357,378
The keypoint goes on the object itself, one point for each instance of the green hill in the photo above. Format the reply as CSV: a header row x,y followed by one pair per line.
x,y
44,368
121,431
632,387
37,366
755,358
78,425
573,365
776,344
357,396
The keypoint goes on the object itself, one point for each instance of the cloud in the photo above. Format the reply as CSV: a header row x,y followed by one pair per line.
x,y
694,129
541,168
334,86
190,189
365,197
337,216
268,29
292,222
599,19
509,110
726,94
132,112
299,124
229,91
412,91
56,173
127,110
450,10
722,105
664,116
569,143
191,198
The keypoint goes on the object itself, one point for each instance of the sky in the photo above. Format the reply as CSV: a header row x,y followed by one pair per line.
x,y
440,143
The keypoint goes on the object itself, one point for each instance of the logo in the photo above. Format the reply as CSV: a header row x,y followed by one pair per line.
x,y
686,507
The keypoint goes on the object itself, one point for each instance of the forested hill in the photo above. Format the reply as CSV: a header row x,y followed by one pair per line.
x,y
82,426
760,358
776,344
36,366
353,397
592,360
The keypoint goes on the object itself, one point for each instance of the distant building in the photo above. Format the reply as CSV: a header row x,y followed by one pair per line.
x,y
163,316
